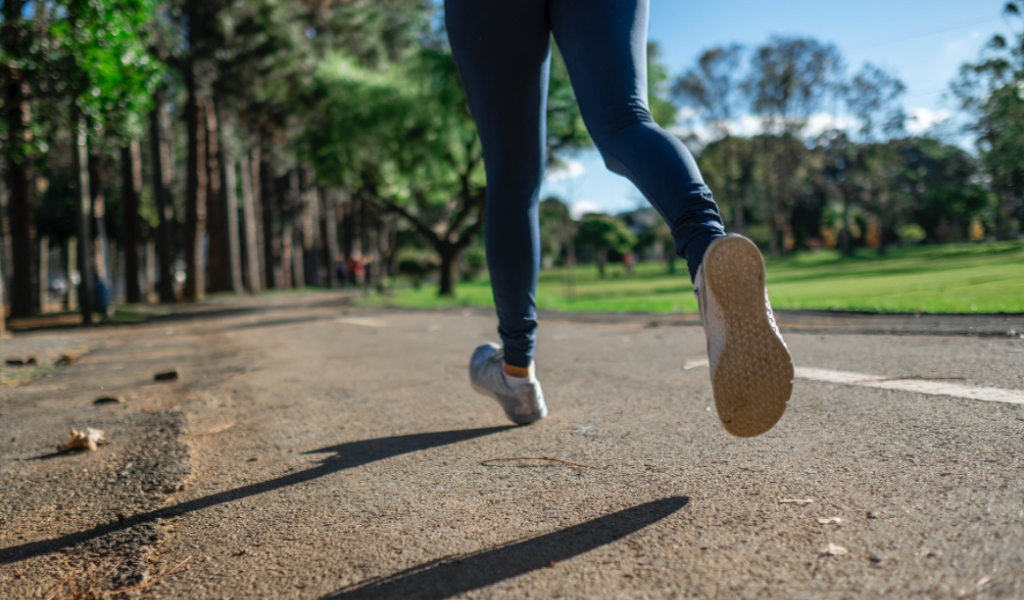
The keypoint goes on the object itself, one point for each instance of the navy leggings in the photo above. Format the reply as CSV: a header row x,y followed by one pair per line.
x,y
502,49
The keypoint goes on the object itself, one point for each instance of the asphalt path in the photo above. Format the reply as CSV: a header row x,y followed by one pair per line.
x,y
314,450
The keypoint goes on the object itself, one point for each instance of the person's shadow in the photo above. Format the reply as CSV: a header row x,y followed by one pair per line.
x,y
343,456
450,576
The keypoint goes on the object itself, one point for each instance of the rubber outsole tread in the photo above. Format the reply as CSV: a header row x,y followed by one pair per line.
x,y
753,378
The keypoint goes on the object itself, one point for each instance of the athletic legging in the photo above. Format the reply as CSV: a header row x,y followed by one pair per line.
x,y
502,49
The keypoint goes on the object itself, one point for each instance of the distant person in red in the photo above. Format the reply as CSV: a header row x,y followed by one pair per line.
x,y
503,52
357,269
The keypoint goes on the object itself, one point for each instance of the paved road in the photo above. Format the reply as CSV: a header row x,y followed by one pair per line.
x,y
313,450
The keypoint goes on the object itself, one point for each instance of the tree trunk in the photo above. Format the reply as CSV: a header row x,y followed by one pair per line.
x,y
99,212
219,244
83,216
288,190
845,242
149,276
3,305
449,270
255,165
116,273
161,156
71,266
387,240
195,201
347,228
310,220
269,197
131,178
298,263
330,234
44,270
231,207
19,174
252,252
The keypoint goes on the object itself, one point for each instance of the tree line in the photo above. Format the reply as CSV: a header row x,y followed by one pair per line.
x,y
185,147
861,179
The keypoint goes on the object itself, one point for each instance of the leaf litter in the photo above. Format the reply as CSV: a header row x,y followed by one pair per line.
x,y
89,439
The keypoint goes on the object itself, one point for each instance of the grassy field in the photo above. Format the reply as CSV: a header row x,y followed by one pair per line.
x,y
976,278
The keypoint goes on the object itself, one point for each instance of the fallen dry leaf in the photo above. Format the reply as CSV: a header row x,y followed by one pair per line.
x,y
834,550
89,440
829,521
796,500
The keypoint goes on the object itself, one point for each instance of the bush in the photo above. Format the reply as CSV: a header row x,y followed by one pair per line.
x,y
911,234
417,269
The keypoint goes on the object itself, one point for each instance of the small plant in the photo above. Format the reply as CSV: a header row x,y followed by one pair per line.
x,y
911,234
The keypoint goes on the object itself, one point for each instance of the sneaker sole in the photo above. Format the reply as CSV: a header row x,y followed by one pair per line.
x,y
517,419
753,379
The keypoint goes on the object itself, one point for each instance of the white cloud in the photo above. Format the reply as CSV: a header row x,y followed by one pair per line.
x,y
963,43
751,125
821,122
570,169
922,119
578,208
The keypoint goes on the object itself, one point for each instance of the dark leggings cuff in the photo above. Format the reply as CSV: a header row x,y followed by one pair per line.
x,y
696,246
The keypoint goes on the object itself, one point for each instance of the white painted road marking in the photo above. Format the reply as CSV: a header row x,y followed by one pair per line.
x,y
695,364
920,386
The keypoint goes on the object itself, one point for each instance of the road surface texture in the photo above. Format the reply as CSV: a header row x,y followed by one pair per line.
x,y
314,450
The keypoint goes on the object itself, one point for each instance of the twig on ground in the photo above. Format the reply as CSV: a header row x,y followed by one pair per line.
x,y
214,430
984,582
110,571
53,592
90,592
545,458
151,582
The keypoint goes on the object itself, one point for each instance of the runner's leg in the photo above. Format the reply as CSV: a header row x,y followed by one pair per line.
x,y
604,43
502,50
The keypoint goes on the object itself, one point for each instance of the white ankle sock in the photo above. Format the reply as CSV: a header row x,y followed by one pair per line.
x,y
514,381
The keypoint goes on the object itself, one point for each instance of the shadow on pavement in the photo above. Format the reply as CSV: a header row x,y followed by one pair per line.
x,y
450,576
345,456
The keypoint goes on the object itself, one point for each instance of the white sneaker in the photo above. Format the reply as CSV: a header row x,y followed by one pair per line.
x,y
523,403
751,370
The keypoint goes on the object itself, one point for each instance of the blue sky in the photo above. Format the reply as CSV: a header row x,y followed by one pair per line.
x,y
924,42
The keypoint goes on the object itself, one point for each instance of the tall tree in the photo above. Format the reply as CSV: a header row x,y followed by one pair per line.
x,y
404,139
602,234
16,66
989,92
789,80
873,98
109,78
131,186
161,156
712,88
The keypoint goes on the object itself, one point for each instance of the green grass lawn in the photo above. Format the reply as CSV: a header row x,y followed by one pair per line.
x,y
982,278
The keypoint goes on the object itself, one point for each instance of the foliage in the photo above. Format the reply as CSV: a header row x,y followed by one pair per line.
x,y
103,51
601,232
557,228
991,92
